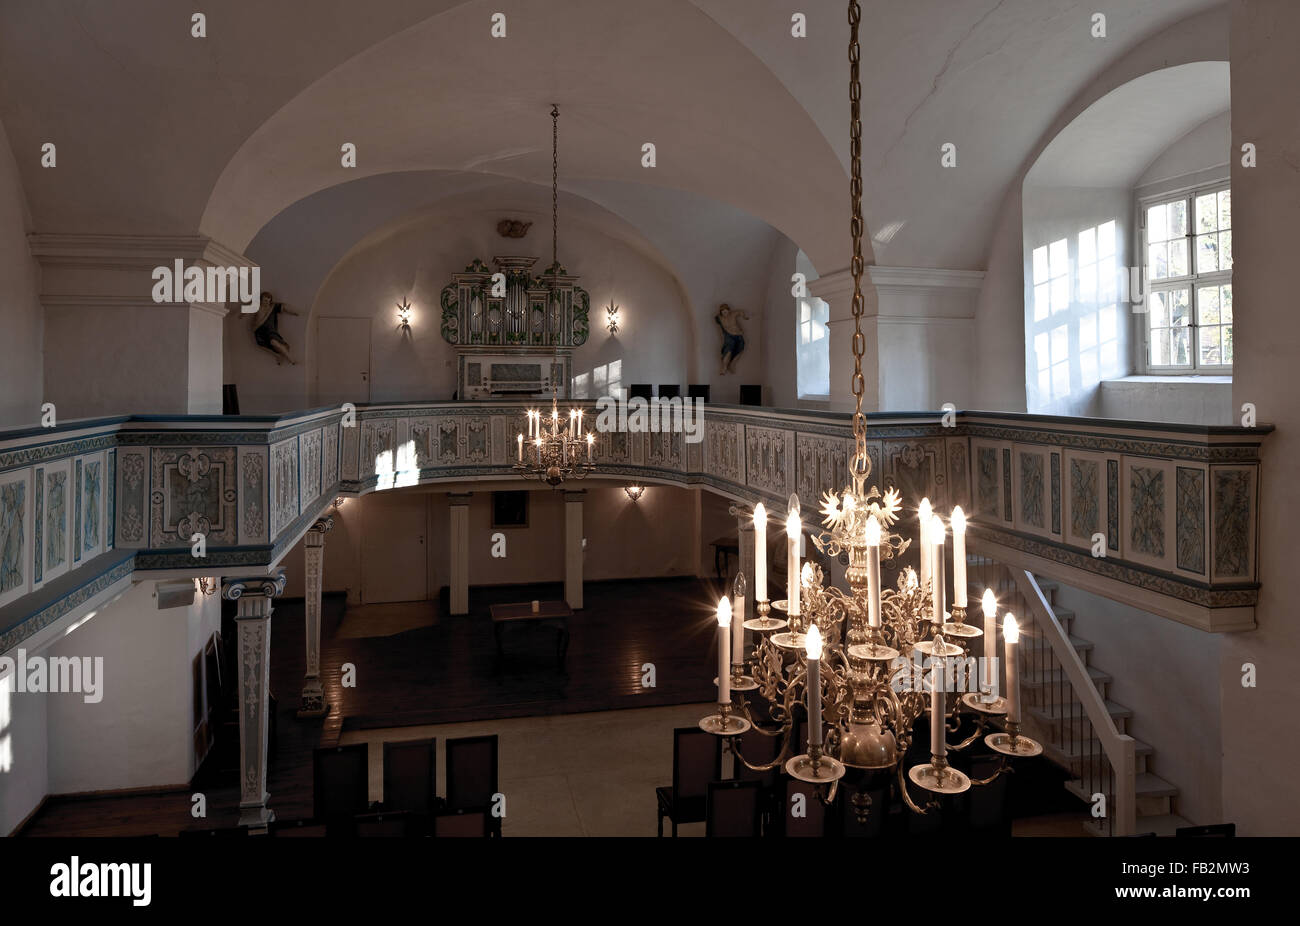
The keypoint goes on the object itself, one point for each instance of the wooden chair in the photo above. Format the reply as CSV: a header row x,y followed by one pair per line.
x,y
760,749
697,760
472,776
670,391
410,776
733,808
340,785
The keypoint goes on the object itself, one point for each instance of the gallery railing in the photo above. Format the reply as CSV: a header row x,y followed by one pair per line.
x,y
1163,516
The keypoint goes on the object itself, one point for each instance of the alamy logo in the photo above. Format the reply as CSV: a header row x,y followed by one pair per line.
x,y
55,674
640,416
217,285
103,879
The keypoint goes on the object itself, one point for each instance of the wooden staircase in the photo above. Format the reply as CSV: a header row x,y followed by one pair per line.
x,y
1054,716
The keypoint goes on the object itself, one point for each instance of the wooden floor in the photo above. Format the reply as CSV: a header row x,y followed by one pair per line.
x,y
444,673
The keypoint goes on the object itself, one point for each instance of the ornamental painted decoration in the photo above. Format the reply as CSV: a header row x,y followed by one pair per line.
x,y
512,307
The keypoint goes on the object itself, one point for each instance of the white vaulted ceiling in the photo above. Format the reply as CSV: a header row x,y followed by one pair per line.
x,y
161,133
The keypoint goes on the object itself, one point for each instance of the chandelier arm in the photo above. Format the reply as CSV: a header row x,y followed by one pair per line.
x,y
958,747
1004,767
907,798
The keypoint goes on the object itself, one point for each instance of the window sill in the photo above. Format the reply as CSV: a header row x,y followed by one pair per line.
x,y
1191,379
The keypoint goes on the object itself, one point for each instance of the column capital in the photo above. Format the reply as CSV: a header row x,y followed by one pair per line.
x,y
271,586
315,536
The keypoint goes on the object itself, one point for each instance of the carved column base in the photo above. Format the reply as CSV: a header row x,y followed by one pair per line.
x,y
313,700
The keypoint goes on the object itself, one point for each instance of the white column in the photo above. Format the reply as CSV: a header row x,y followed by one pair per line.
x,y
573,548
253,628
837,289
459,548
313,695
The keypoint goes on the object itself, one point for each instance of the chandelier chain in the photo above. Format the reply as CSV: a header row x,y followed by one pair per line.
x,y
855,224
555,188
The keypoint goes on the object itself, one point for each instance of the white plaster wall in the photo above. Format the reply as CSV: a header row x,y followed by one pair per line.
x,y
1259,745
140,734
205,353
779,357
1167,674
24,779
1206,146
655,340
21,377
1050,214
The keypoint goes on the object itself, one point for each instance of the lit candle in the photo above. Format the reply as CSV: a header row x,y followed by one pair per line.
x,y
724,650
738,623
573,422
923,537
590,439
760,552
813,645
990,605
937,533
1011,634
792,530
873,572
579,421
938,705
521,448
959,557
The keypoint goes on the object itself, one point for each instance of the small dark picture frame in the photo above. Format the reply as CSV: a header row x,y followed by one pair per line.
x,y
509,509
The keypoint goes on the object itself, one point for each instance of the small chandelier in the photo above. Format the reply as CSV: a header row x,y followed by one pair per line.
x,y
207,585
866,664
555,450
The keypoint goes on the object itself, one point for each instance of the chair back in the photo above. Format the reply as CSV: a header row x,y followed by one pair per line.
x,y
471,772
697,760
670,391
410,775
466,823
698,391
732,808
640,391
341,782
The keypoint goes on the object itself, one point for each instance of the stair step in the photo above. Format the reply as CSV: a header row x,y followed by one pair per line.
x,y
1065,712
1082,749
1052,676
1149,785
1038,644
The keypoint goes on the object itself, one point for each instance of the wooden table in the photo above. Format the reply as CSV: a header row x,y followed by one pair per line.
x,y
554,613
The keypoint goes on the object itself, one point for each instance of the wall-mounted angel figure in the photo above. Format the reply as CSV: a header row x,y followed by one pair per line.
x,y
733,336
266,329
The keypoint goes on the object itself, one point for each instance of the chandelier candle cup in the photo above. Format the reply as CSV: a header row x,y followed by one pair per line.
x,y
958,561
813,642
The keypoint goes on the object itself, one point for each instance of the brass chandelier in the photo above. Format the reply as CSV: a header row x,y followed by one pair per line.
x,y
865,665
555,450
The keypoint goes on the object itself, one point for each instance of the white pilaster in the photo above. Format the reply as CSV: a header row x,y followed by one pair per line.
x,y
573,548
313,694
253,623
459,551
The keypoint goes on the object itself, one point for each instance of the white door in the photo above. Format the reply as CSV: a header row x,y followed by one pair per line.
x,y
343,360
394,559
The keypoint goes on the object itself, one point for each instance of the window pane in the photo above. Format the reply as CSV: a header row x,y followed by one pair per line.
x,y
1160,347
1178,314
1207,299
1158,310
1227,344
1207,213
1158,261
1088,284
1178,258
1225,208
1106,239
1109,323
1225,302
1040,265
1060,343
1225,250
1158,223
1210,347
1178,219
1182,340
1207,253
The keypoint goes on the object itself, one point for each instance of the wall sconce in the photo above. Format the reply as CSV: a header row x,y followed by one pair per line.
x,y
338,502
634,492
207,585
404,315
611,318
